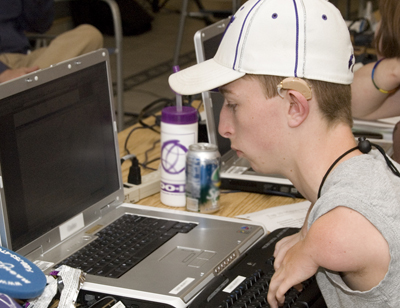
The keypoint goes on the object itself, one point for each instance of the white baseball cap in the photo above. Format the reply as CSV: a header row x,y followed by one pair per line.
x,y
288,38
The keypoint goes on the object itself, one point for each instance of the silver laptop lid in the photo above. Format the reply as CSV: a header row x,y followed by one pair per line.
x,y
206,42
37,175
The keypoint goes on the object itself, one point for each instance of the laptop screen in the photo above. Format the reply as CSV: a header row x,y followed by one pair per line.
x,y
211,44
44,182
207,41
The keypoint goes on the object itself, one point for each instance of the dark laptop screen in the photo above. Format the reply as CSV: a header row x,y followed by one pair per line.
x,y
57,151
210,46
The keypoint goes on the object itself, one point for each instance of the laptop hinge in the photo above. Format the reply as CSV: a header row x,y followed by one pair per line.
x,y
108,207
35,253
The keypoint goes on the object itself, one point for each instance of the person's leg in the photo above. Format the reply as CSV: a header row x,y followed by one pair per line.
x,y
15,60
70,44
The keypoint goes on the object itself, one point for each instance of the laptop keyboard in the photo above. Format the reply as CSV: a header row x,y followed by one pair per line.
x,y
124,243
245,284
253,291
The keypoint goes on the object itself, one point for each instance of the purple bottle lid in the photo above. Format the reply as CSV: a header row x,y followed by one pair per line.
x,y
171,115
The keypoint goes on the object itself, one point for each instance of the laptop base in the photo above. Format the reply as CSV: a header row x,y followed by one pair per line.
x,y
260,187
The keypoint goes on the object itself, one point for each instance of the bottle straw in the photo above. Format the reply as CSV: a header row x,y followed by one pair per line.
x,y
178,96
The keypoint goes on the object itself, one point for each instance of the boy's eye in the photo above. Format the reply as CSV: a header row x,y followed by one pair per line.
x,y
231,106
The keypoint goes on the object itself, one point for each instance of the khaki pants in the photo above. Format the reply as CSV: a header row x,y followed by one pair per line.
x,y
70,44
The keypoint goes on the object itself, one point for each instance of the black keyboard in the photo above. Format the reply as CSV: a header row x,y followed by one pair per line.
x,y
253,271
124,243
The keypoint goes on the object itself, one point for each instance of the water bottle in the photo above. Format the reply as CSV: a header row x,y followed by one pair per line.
x,y
179,130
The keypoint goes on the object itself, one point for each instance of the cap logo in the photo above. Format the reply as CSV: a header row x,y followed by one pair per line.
x,y
351,66
324,17
274,16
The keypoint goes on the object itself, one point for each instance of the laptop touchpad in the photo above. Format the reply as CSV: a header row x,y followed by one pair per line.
x,y
190,256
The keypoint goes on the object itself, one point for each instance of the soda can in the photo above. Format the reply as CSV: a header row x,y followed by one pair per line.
x,y
202,178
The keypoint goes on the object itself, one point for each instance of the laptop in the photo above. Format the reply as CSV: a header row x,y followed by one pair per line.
x,y
236,173
61,189
379,132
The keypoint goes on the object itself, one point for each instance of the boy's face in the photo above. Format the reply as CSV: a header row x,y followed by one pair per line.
x,y
254,124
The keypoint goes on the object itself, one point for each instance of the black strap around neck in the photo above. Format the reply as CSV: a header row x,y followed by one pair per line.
x,y
365,147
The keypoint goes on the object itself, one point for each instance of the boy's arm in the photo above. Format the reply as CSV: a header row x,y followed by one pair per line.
x,y
286,243
342,241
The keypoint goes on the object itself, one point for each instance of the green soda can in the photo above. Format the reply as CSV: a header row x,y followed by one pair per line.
x,y
202,178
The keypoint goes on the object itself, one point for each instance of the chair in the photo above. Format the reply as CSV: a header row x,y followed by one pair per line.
x,y
118,52
202,13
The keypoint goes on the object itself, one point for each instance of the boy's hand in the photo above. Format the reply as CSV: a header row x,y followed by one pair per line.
x,y
295,267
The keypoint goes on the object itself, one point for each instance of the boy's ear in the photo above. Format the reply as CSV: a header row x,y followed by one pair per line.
x,y
298,109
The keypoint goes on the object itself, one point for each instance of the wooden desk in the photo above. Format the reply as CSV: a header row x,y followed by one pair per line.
x,y
231,204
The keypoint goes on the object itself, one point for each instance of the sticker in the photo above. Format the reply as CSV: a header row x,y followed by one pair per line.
x,y
232,286
182,285
71,226
43,265
118,305
72,281
245,230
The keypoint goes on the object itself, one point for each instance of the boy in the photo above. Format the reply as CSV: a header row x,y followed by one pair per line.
x,y
285,69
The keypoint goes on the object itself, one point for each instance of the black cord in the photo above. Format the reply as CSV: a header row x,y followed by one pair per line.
x,y
149,162
388,161
145,163
331,167
127,138
144,113
126,157
364,146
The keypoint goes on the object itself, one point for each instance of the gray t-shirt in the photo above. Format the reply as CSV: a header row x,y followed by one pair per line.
x,y
365,184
